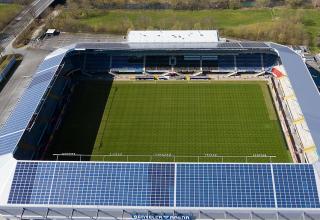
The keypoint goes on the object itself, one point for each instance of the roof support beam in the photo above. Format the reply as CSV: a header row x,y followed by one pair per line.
x,y
71,217
279,214
207,215
59,213
13,215
232,215
23,209
304,215
82,213
106,213
35,213
256,215
47,213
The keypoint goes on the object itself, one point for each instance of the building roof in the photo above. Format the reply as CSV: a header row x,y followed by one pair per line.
x,y
173,36
304,87
179,185
240,46
51,31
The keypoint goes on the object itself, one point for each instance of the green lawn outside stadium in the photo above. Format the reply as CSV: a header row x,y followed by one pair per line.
x,y
8,12
174,119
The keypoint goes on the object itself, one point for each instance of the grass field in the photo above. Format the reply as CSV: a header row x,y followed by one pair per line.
x,y
291,26
166,119
8,12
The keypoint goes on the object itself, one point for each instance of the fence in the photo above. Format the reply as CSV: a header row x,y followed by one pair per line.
x,y
166,158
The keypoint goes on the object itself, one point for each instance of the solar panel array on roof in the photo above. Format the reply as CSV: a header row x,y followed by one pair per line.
x,y
229,45
254,45
165,185
224,185
118,184
19,119
171,46
295,186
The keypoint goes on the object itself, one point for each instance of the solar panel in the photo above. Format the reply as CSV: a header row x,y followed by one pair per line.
x,y
229,45
8,141
46,76
224,185
50,63
66,183
12,130
296,186
165,185
254,45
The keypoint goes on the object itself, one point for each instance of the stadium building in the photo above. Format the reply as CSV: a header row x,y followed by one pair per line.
x,y
35,188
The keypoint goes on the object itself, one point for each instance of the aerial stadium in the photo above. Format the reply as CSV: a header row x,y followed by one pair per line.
x,y
164,125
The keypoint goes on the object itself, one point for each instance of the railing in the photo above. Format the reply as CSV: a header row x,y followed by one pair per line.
x,y
166,158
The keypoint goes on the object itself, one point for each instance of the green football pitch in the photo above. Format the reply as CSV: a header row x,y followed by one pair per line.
x,y
180,121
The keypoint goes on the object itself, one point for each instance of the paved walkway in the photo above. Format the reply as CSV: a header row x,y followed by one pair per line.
x,y
18,82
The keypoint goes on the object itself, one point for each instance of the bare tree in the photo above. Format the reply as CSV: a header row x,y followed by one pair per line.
x,y
263,3
316,3
234,4
294,3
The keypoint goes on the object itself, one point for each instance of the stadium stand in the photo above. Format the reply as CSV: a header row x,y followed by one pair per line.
x,y
226,63
96,63
157,63
32,189
249,63
124,64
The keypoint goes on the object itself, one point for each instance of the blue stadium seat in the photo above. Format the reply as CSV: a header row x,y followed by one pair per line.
x,y
226,63
249,63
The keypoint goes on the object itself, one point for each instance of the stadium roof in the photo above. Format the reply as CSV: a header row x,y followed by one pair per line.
x,y
160,185
304,87
165,185
174,46
173,36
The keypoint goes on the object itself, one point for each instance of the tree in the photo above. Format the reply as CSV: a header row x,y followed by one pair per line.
x,y
294,3
234,4
316,3
263,3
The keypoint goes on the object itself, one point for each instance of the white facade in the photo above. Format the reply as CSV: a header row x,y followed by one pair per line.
x,y
176,36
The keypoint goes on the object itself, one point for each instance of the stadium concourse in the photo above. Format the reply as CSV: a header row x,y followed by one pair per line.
x,y
37,189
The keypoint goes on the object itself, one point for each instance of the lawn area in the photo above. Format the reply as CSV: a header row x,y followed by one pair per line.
x,y
282,25
190,119
8,12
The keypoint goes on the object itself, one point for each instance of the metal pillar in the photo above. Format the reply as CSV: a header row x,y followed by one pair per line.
x,y
23,209
144,64
262,62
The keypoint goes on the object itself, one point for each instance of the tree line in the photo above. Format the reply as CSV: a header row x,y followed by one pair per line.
x,y
192,4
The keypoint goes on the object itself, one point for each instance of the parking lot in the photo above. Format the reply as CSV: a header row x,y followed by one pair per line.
x,y
65,39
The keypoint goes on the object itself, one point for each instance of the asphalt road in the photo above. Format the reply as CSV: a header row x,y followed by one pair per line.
x,y
22,20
